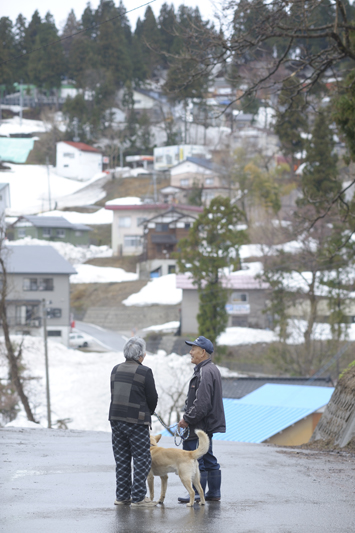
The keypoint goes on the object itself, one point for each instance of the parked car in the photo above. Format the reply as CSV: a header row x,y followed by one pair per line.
x,y
77,340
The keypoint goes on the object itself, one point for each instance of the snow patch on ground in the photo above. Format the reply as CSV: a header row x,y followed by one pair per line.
x,y
95,274
102,216
12,126
73,254
80,383
159,291
164,328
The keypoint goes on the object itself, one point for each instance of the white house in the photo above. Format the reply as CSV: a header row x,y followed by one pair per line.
x,y
78,160
129,215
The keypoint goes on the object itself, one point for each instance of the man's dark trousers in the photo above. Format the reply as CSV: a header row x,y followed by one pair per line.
x,y
208,461
131,441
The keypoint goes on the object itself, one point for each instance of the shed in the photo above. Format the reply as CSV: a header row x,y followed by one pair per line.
x,y
279,414
78,160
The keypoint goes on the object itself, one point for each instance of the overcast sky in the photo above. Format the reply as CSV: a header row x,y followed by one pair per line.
x,y
61,8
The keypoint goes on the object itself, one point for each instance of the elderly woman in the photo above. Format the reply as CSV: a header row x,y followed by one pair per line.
x,y
133,401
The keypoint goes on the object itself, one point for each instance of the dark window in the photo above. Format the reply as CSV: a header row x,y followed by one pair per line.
x,y
161,227
171,269
54,333
187,225
53,312
30,284
45,284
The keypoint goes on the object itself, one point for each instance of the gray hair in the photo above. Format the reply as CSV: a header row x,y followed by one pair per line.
x,y
134,349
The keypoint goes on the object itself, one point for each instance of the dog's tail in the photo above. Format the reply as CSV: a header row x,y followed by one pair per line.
x,y
203,444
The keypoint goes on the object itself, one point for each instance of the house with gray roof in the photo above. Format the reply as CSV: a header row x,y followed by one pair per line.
x,y
49,229
38,276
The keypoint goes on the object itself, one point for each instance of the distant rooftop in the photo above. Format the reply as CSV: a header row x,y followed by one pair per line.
x,y
242,282
35,260
82,147
52,222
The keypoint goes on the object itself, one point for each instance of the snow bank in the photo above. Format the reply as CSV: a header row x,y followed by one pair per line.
x,y
102,216
236,336
164,328
159,291
128,200
73,254
80,383
95,274
12,126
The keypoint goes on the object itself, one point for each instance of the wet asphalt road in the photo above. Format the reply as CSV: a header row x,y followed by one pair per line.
x,y
110,340
57,481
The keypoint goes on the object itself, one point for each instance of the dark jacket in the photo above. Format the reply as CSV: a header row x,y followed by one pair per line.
x,y
133,393
204,406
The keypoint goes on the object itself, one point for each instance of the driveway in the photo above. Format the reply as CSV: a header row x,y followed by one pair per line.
x,y
54,481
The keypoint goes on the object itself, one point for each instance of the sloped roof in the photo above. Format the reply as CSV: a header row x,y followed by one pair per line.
x,y
53,222
35,260
82,147
269,410
15,150
242,282
239,387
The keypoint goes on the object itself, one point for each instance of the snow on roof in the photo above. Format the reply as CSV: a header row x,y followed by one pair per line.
x,y
128,200
270,409
124,204
82,147
36,260
15,126
102,216
237,280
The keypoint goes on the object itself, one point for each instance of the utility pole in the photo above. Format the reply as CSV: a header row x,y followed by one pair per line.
x,y
76,138
21,103
49,184
155,185
44,308
121,156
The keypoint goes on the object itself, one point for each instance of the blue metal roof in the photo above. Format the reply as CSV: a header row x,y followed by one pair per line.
x,y
15,150
269,410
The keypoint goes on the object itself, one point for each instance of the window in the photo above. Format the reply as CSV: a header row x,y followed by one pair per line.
x,y
159,159
168,159
124,222
209,181
141,220
46,232
78,233
184,182
171,269
67,154
187,225
60,233
161,227
239,297
53,312
45,284
132,241
54,333
28,314
30,284
21,232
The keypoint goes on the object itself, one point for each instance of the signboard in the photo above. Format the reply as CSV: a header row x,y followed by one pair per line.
x,y
238,309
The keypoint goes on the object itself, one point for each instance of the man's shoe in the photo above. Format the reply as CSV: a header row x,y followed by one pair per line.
x,y
214,486
186,499
212,499
123,502
144,503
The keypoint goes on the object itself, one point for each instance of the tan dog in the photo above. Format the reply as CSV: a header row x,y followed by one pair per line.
x,y
182,462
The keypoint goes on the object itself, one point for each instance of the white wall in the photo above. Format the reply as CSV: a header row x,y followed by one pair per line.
x,y
75,164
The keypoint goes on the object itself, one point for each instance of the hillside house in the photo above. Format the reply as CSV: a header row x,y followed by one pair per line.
x,y
199,172
49,229
78,160
245,307
166,157
37,273
153,103
160,238
129,215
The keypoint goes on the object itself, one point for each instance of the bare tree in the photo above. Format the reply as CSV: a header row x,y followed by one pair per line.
x,y
12,357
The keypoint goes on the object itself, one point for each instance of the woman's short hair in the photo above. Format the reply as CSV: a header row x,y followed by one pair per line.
x,y
134,349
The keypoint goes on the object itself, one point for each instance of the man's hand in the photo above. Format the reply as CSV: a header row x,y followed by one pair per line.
x,y
183,424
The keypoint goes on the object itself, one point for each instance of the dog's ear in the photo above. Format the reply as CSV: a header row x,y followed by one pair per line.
x,y
157,438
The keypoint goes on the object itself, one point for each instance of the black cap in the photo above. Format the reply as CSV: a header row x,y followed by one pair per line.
x,y
203,343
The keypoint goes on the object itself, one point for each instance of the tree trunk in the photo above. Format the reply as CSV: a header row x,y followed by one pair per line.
x,y
12,358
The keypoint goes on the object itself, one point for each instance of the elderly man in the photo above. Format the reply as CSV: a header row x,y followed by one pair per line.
x,y
133,401
204,410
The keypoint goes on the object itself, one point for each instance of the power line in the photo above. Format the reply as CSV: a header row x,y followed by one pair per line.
x,y
74,34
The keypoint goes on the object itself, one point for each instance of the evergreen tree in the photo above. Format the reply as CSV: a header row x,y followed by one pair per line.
x,y
20,37
291,121
148,34
46,66
7,50
167,26
211,247
320,181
